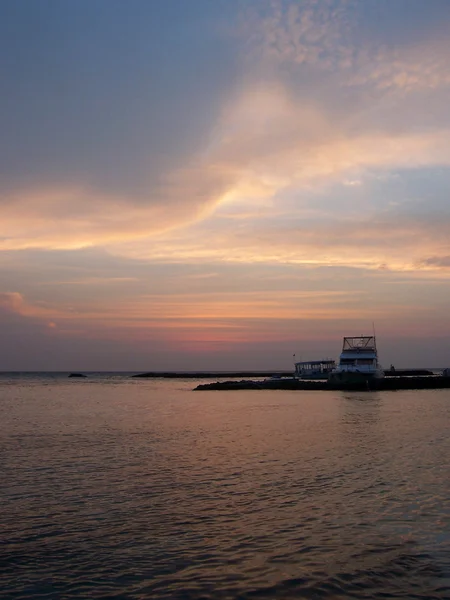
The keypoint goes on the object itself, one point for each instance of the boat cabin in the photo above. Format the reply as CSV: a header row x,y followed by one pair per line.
x,y
314,368
358,361
359,351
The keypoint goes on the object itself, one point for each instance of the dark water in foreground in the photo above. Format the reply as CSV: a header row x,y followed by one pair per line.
x,y
119,488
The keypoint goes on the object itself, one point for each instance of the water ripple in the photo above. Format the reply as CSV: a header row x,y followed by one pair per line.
x,y
125,490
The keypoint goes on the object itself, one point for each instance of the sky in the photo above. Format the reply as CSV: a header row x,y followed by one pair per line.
x,y
223,184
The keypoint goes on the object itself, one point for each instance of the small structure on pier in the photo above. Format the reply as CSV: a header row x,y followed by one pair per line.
x,y
314,369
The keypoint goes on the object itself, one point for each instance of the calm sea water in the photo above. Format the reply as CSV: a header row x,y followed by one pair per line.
x,y
120,488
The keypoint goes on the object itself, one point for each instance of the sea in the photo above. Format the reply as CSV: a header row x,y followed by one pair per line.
x,y
116,487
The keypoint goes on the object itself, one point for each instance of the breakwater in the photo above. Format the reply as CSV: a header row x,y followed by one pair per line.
x,y
251,374
212,374
387,383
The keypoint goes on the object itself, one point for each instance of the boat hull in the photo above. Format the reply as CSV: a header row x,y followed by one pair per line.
x,y
354,377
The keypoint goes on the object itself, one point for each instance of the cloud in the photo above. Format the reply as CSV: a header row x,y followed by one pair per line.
x,y
14,303
69,218
23,326
190,310
392,239
326,36
271,135
193,317
310,33
100,116
11,301
235,191
437,261
265,143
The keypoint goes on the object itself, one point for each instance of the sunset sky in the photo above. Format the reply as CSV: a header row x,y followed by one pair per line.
x,y
222,184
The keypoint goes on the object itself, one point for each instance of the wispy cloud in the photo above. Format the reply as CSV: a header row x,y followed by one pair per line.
x,y
324,36
437,261
264,145
293,171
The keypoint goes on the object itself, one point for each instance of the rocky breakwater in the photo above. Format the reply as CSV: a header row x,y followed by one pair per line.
x,y
387,384
266,384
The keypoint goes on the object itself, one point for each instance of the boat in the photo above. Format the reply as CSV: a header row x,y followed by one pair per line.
x,y
358,361
314,369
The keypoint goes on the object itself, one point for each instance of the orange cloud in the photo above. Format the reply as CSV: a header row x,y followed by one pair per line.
x,y
269,139
73,218
392,240
264,144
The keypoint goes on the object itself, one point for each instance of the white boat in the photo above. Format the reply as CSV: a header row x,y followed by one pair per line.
x,y
314,369
358,361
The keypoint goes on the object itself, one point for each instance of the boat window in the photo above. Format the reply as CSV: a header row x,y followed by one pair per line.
x,y
365,361
347,361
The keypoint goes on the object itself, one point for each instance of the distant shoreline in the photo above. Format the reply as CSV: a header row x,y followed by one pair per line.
x,y
212,374
246,374
209,374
